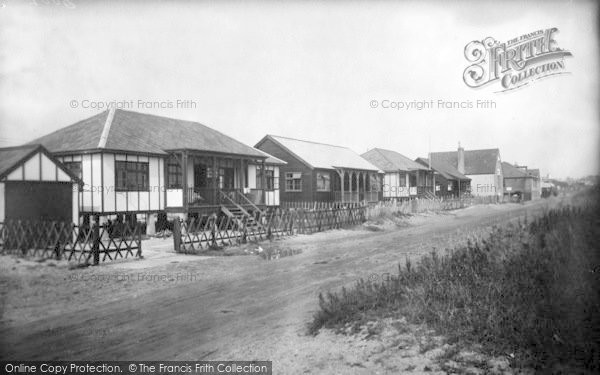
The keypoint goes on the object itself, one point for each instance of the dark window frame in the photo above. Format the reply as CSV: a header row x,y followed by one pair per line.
x,y
174,175
294,181
138,169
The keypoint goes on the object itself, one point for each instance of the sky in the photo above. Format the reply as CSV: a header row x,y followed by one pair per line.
x,y
321,71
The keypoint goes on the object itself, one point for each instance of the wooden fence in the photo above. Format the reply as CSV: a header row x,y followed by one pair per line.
x,y
424,205
60,240
214,231
199,234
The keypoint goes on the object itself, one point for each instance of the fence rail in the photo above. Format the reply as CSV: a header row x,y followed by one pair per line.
x,y
61,240
216,231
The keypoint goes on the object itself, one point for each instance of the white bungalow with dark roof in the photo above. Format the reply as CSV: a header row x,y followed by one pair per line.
x,y
35,186
404,178
140,165
318,172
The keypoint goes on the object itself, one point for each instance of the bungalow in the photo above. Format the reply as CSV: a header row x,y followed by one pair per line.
x,y
36,186
403,177
520,182
483,167
138,165
319,172
449,182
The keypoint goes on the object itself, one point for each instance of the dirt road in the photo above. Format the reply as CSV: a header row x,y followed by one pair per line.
x,y
240,307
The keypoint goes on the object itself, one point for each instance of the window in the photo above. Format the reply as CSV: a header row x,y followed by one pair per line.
x,y
131,176
449,186
269,178
174,176
402,179
323,181
293,181
75,167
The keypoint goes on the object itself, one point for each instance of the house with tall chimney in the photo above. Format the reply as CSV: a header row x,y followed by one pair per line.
x,y
483,167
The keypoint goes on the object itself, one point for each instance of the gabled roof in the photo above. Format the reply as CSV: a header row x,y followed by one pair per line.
x,y
476,161
12,157
121,130
271,159
510,171
446,170
534,173
391,161
321,155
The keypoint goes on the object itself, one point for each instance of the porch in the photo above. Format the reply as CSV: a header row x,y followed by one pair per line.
x,y
198,181
356,186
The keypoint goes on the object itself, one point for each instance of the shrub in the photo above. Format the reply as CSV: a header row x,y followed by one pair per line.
x,y
531,289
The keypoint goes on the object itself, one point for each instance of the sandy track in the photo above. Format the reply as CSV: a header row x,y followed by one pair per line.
x,y
240,308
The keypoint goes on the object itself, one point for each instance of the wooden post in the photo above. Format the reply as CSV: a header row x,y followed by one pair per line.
x,y
264,179
184,181
96,240
342,175
364,185
215,179
177,235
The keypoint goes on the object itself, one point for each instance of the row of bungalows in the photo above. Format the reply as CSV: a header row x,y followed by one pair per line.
x,y
128,166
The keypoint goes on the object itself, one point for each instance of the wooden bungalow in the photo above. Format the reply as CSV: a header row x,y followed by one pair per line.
x,y
35,186
317,172
139,165
449,182
521,183
404,178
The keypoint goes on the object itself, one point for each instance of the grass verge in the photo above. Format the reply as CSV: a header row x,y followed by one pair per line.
x,y
529,291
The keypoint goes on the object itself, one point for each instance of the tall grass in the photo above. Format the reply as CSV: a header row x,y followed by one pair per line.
x,y
529,289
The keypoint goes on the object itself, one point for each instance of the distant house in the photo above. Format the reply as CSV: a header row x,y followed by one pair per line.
x,y
521,182
449,182
319,172
483,167
35,186
136,165
403,177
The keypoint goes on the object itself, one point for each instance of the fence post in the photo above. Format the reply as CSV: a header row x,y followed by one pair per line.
x,y
177,235
96,240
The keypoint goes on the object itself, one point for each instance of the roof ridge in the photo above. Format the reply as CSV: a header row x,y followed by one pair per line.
x,y
106,128
304,140
23,146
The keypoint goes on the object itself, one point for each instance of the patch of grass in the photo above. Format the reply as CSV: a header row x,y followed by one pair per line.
x,y
528,290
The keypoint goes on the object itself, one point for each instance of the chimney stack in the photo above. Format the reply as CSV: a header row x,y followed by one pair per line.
x,y
461,159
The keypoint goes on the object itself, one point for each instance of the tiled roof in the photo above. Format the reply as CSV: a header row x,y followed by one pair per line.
x,y
140,132
476,161
10,156
391,161
510,171
320,155
446,170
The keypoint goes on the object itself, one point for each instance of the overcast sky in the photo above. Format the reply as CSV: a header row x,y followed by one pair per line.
x,y
306,70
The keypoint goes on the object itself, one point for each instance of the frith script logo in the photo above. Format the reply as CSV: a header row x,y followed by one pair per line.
x,y
515,63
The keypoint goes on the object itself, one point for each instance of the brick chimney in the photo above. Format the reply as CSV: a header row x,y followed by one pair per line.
x,y
461,159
